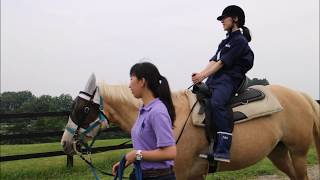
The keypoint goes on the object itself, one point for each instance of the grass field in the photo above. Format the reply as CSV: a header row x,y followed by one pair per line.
x,y
55,167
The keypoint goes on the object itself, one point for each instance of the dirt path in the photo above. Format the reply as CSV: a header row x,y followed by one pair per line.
x,y
313,173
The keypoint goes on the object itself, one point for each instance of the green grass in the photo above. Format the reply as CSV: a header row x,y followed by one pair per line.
x,y
55,167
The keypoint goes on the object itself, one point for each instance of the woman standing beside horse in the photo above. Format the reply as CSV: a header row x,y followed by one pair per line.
x,y
152,134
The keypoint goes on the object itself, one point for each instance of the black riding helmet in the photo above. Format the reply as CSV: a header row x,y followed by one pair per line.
x,y
233,11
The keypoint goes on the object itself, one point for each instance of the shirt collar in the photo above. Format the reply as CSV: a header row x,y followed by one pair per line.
x,y
234,33
149,106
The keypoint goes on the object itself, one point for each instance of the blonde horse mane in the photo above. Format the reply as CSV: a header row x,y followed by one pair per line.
x,y
122,93
117,93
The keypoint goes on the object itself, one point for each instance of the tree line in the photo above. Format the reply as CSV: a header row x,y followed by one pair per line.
x,y
25,102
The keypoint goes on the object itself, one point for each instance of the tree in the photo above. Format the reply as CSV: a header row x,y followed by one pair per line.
x,y
10,102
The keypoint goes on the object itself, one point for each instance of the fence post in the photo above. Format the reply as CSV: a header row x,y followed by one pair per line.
x,y
69,161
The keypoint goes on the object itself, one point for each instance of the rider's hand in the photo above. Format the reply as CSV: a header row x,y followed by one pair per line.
x,y
115,167
197,77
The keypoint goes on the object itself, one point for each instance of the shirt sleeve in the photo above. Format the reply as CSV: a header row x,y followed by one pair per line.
x,y
161,124
229,54
215,57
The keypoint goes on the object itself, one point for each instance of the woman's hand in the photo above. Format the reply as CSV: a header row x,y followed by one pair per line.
x,y
131,157
115,167
197,77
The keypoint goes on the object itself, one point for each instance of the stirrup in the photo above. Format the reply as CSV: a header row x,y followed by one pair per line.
x,y
210,155
212,166
222,159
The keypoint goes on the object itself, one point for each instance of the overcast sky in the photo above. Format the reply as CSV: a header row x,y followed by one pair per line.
x,y
52,46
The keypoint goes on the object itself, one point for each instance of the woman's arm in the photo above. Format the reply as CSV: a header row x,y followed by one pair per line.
x,y
161,154
211,68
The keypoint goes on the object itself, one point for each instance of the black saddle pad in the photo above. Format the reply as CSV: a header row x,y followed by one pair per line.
x,y
247,96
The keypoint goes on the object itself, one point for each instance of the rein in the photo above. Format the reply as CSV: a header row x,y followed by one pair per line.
x,y
185,123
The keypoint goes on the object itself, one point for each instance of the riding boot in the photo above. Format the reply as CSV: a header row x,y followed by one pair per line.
x,y
222,149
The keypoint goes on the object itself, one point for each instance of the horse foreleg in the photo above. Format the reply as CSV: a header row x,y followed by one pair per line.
x,y
281,159
299,161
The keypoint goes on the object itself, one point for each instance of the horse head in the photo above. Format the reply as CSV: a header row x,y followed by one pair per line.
x,y
86,118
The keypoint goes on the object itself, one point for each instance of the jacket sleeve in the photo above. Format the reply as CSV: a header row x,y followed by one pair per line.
x,y
231,52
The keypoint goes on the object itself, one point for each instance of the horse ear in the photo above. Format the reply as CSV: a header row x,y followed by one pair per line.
x,y
91,84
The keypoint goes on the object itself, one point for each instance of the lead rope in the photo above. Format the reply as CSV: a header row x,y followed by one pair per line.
x,y
122,166
90,163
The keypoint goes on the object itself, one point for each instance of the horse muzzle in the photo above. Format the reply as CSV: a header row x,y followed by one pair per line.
x,y
68,147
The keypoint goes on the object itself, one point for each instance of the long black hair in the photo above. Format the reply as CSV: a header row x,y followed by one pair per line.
x,y
245,30
157,83
246,33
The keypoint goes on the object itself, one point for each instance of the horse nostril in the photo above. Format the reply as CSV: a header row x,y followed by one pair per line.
x,y
67,148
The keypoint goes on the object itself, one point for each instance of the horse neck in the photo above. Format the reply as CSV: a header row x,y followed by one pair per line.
x,y
120,105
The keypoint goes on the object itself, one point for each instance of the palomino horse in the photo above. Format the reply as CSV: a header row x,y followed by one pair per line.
x,y
283,137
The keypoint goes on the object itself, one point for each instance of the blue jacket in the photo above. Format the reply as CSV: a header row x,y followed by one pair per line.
x,y
237,57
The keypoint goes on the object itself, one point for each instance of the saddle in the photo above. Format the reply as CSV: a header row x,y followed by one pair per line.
x,y
244,95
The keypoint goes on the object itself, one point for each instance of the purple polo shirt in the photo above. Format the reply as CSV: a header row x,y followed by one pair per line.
x,y
151,131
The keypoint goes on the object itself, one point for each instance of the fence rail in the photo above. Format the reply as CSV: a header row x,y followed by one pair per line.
x,y
59,153
45,134
8,118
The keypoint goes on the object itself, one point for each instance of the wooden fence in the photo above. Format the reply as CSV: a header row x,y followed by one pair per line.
x,y
14,118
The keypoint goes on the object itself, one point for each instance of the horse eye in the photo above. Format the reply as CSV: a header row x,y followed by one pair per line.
x,y
86,109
